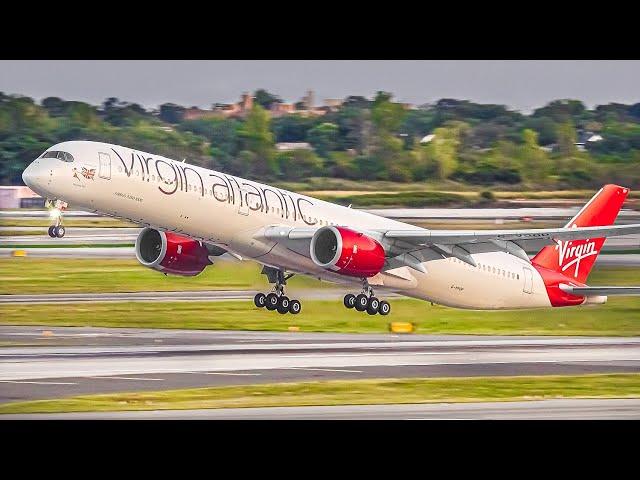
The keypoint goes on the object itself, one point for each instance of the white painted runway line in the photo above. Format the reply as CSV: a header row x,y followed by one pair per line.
x,y
226,373
110,377
322,369
241,362
205,348
37,383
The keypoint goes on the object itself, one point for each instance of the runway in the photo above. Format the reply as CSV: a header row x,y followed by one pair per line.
x,y
37,363
560,409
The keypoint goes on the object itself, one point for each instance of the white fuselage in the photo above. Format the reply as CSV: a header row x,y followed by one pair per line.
x,y
231,212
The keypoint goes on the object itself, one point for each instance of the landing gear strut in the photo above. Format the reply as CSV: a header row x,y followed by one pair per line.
x,y
56,207
277,300
366,301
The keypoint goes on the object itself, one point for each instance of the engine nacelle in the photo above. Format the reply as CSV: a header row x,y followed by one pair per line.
x,y
169,252
347,252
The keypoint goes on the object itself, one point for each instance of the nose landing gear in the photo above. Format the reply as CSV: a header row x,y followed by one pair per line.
x,y
277,300
56,207
367,302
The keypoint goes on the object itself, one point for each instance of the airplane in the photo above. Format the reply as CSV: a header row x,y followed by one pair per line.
x,y
191,215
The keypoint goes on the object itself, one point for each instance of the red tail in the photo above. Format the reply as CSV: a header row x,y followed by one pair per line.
x,y
575,258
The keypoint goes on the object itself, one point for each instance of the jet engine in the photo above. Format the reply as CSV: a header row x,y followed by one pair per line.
x,y
169,252
347,252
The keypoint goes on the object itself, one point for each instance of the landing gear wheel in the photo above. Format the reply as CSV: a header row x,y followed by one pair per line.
x,y
349,300
260,300
361,302
50,231
384,308
283,304
271,301
59,231
295,306
373,305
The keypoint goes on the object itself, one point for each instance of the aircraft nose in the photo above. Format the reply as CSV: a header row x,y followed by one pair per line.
x,y
34,176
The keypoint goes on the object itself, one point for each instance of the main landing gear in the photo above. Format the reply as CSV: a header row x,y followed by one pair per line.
x,y
56,207
277,300
367,302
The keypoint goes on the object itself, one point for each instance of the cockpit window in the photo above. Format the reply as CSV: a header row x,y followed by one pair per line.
x,y
64,156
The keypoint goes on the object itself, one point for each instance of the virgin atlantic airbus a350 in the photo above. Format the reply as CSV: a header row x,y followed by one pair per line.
x,y
192,215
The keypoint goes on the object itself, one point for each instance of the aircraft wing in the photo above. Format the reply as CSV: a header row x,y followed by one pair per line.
x,y
414,247
592,291
456,237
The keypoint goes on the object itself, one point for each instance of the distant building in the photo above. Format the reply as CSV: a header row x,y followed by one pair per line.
x,y
278,109
333,104
19,197
195,113
238,109
288,146
585,138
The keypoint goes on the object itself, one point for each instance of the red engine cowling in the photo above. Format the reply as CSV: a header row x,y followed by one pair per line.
x,y
347,252
171,253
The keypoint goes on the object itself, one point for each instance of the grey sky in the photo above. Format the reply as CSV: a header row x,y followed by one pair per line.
x,y
522,84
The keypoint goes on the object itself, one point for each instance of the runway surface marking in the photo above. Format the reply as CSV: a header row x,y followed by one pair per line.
x,y
226,373
37,383
111,377
132,365
323,369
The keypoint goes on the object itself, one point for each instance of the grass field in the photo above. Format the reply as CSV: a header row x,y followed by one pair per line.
x,y
620,317
39,275
24,275
356,392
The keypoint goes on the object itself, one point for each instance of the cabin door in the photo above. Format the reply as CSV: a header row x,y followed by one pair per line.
x,y
104,166
528,280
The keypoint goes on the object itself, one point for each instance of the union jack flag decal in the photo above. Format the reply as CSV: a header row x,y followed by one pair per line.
x,y
88,174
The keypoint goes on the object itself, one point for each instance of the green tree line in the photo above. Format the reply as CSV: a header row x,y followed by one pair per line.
x,y
560,145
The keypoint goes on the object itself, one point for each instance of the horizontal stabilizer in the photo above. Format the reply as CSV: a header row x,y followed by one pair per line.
x,y
595,291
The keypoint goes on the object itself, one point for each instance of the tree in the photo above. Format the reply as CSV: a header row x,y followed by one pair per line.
x,y
299,164
292,128
536,165
443,149
343,164
386,115
171,113
55,106
324,138
256,137
634,111
356,101
265,99
562,111
355,128
566,139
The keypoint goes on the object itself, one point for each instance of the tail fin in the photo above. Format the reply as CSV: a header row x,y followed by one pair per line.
x,y
575,258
